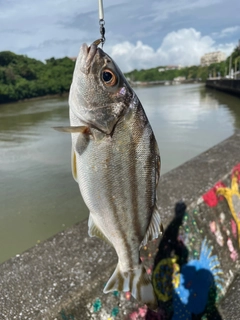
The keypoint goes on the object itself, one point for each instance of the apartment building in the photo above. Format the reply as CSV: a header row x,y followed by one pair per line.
x,y
212,57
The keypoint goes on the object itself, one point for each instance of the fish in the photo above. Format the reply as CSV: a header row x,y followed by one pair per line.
x,y
116,163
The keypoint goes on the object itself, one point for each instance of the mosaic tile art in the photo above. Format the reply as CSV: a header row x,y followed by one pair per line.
x,y
193,264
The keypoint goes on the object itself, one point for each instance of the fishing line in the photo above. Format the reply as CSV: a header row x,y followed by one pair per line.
x,y
101,21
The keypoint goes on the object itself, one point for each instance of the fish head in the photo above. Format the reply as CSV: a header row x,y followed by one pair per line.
x,y
99,94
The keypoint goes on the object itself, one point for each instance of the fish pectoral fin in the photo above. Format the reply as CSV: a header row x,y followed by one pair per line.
x,y
79,129
94,231
74,165
154,229
136,281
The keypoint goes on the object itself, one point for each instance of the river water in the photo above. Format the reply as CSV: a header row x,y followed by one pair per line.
x,y
38,196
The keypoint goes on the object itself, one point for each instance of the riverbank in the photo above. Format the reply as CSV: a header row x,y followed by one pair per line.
x,y
48,96
63,277
132,83
162,83
231,86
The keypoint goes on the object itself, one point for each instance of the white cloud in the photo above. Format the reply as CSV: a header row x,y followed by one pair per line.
x,y
226,32
164,9
128,54
185,47
231,30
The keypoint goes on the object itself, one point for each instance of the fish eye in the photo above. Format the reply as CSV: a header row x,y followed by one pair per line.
x,y
109,78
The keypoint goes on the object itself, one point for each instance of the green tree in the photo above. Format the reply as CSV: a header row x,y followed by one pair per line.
x,y
7,57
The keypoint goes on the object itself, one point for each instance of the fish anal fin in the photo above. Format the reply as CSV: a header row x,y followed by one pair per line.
x,y
136,281
154,229
94,231
74,165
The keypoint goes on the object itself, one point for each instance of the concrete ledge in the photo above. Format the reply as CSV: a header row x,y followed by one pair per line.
x,y
230,305
66,273
231,86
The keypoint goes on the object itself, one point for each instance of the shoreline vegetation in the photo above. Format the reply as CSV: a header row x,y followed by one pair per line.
x,y
23,78
45,97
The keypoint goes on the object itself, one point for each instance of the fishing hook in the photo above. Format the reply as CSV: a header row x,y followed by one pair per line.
x,y
101,21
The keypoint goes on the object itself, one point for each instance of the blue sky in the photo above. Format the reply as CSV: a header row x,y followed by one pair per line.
x,y
139,33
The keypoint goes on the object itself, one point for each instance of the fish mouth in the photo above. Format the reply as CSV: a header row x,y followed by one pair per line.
x,y
89,53
97,42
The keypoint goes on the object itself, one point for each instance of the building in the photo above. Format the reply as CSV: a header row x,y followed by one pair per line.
x,y
212,57
179,79
73,58
169,68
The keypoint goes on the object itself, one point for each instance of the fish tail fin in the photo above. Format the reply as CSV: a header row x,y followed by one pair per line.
x,y
137,282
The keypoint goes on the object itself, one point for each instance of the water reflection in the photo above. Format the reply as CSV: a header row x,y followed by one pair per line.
x,y
38,196
232,103
185,121
23,121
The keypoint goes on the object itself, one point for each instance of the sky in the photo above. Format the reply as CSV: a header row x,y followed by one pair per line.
x,y
140,34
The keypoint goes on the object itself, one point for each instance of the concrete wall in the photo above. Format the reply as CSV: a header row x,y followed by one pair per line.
x,y
63,277
226,85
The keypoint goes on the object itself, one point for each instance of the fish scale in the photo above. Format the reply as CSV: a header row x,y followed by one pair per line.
x,y
115,192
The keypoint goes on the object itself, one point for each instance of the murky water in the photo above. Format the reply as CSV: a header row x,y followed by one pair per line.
x,y
38,196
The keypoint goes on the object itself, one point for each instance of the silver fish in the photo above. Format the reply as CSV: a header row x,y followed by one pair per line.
x,y
116,162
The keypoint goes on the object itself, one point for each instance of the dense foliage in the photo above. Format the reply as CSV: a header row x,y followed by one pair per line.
x,y
22,77
234,59
191,73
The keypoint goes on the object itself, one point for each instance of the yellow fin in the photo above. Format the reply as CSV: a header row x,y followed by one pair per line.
x,y
94,231
74,165
79,129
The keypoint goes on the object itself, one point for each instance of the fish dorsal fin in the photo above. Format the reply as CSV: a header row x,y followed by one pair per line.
x,y
94,231
136,281
154,229
74,165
